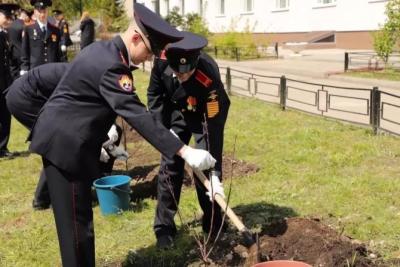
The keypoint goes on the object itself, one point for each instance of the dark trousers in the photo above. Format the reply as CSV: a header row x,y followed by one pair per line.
x,y
170,179
5,123
42,191
72,208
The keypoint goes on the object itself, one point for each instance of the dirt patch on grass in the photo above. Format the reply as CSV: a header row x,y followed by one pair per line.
x,y
300,239
144,176
282,235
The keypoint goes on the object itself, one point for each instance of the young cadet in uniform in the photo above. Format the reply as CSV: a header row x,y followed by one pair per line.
x,y
187,95
6,11
26,97
62,25
15,33
41,40
73,125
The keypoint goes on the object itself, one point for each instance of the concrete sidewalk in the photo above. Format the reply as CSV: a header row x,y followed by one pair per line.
x,y
316,66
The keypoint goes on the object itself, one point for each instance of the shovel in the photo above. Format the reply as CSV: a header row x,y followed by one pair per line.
x,y
249,241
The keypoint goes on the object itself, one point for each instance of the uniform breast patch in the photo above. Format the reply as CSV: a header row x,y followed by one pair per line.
x,y
212,104
54,37
126,83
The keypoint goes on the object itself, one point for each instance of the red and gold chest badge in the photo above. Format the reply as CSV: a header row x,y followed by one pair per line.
x,y
54,37
212,104
192,103
126,83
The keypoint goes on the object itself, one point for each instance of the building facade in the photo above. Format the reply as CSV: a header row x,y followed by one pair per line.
x,y
318,23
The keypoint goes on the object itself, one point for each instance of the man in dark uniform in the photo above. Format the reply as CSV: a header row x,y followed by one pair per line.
x,y
6,11
187,95
73,125
15,34
41,40
26,97
62,25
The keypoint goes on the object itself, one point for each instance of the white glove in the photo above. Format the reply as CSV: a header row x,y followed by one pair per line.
x,y
112,136
118,152
104,157
63,48
22,72
215,188
198,158
174,133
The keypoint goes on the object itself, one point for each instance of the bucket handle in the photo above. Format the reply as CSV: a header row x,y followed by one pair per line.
x,y
119,189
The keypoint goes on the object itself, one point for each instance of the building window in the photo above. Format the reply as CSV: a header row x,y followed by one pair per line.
x,y
220,7
200,8
248,6
326,2
183,7
166,6
282,4
156,6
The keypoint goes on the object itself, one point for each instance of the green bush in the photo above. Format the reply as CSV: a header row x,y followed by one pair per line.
x,y
191,22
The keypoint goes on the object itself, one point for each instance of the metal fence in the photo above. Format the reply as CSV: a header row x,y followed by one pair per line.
x,y
366,106
369,61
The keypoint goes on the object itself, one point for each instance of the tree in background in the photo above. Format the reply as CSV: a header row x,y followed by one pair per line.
x,y
388,38
111,13
191,22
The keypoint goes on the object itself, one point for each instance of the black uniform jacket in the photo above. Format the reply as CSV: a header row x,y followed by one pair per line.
x,y
5,76
97,87
28,94
65,37
15,34
37,48
200,98
87,28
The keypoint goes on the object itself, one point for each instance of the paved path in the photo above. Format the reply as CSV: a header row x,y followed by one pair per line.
x,y
313,66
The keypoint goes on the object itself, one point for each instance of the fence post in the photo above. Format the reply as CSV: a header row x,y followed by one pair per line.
x,y
276,50
375,109
216,51
144,68
228,80
346,61
283,92
237,53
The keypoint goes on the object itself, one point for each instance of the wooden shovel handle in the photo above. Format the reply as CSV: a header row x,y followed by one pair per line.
x,y
221,201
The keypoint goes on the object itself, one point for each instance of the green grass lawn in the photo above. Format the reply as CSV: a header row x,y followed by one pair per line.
x,y
388,74
313,166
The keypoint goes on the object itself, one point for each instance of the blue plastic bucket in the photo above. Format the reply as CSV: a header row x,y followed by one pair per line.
x,y
113,193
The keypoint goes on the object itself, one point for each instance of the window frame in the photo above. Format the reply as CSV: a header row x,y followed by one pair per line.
x,y
321,4
281,9
220,7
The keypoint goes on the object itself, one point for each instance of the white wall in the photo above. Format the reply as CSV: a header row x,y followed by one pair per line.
x,y
302,15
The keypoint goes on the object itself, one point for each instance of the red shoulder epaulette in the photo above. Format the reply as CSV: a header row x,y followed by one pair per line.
x,y
203,79
162,55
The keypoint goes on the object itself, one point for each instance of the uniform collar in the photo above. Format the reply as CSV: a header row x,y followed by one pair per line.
x,y
125,57
41,25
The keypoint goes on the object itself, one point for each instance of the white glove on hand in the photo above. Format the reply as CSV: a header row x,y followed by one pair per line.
x,y
112,136
63,48
198,158
118,153
104,157
215,187
22,72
